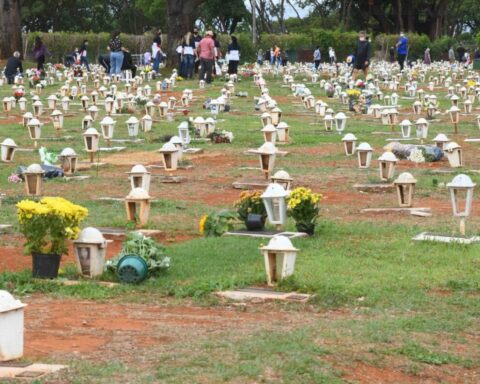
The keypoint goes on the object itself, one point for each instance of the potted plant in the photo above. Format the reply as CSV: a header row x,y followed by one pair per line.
x,y
217,223
353,96
251,210
140,256
47,225
303,208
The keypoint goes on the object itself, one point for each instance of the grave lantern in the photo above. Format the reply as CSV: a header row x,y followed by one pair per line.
x,y
146,122
376,111
320,108
74,92
93,112
57,119
7,149
109,105
138,198
65,103
349,144
94,96
454,99
340,122
412,90
387,163
185,100
282,132
52,101
184,133
393,116
177,141
68,158
455,117
417,107
33,180
34,130
215,107
461,189
64,91
274,199
267,153
276,114
364,154
406,127
266,119
262,104
90,251
169,153
385,115
328,121
467,105
27,116
150,108
172,101
87,122
210,125
84,100
421,94
22,104
37,108
441,140
282,178
421,128
269,133
200,126
386,100
91,139
463,92
132,126
454,154
147,91
108,125
309,102
405,186
279,256
140,177
163,109
431,109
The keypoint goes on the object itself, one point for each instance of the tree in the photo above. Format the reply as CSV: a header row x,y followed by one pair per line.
x,y
10,28
223,16
181,17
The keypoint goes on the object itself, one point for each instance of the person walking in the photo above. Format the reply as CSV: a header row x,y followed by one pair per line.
x,y
156,50
39,52
83,55
402,50
188,46
13,67
206,53
332,55
115,47
233,51
427,59
317,56
363,52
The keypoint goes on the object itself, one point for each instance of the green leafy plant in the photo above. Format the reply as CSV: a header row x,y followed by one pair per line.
x,y
217,223
145,247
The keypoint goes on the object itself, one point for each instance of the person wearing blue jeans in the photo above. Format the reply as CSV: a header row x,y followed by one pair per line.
x,y
188,50
83,55
402,50
116,54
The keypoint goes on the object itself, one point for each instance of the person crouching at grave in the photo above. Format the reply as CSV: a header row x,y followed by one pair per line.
x,y
363,53
13,67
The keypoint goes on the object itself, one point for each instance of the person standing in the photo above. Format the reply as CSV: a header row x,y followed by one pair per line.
x,y
206,53
461,53
332,55
363,52
272,56
260,57
402,50
188,55
39,52
233,50
427,59
116,53
451,55
277,53
196,38
13,67
83,55
317,56
156,50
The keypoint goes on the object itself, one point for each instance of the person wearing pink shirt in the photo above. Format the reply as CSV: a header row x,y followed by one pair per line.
x,y
206,53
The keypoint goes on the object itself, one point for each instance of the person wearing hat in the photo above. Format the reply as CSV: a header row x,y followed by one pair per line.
x,y
206,53
402,50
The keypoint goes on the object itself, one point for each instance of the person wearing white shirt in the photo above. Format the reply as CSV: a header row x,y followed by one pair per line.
x,y
188,46
331,54
233,56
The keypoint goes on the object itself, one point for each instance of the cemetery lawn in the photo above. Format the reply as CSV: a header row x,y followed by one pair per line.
x,y
385,309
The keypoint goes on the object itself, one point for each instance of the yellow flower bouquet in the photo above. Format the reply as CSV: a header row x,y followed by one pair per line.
x,y
303,208
353,94
49,223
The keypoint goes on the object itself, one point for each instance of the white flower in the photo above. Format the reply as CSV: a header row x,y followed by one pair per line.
x,y
416,155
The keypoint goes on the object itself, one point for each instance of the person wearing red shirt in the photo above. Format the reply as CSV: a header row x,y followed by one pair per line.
x,y
206,53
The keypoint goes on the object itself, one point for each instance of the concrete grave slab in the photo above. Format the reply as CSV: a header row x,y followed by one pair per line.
x,y
30,371
425,236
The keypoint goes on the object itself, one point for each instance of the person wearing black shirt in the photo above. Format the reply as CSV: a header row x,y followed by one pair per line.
x,y
363,53
233,50
84,56
14,66
196,38
461,53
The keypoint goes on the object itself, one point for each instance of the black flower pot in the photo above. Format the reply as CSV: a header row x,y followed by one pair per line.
x,y
45,265
308,228
254,222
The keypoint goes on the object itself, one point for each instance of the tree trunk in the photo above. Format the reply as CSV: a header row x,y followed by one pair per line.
x,y
10,29
181,17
